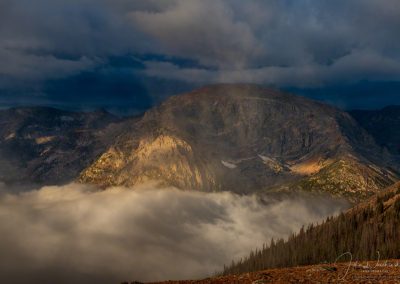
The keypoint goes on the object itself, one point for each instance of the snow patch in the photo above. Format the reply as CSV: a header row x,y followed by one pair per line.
x,y
11,136
228,165
266,159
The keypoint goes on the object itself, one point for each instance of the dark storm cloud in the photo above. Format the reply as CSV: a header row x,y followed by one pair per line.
x,y
300,43
284,43
74,234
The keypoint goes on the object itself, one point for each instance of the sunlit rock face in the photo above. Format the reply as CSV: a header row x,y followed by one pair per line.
x,y
245,138
163,157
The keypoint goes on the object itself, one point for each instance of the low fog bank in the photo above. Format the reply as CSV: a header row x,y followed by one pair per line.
x,y
75,234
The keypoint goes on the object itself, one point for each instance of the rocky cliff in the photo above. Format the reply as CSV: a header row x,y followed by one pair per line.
x,y
246,138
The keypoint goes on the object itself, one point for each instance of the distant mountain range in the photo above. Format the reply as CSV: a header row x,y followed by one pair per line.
x,y
40,145
383,125
236,137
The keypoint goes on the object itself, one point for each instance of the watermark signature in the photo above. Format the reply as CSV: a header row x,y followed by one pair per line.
x,y
382,270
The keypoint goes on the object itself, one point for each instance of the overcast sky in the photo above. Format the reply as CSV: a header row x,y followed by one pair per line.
x,y
136,52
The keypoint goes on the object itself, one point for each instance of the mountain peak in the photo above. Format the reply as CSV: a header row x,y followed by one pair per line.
x,y
244,138
238,90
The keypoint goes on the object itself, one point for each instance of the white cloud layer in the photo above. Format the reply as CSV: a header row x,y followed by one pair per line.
x,y
74,234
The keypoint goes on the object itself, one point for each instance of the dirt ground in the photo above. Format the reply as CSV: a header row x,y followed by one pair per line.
x,y
384,271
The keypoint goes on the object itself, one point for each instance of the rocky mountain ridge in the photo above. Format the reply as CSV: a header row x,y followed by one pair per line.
x,y
236,137
383,125
246,138
42,145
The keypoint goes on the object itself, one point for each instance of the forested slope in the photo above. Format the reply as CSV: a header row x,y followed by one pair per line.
x,y
369,231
